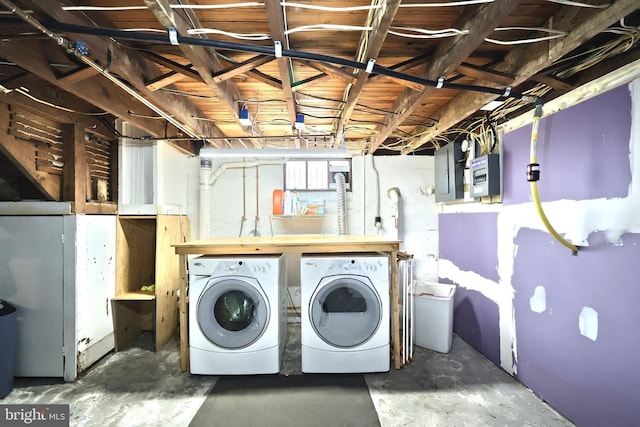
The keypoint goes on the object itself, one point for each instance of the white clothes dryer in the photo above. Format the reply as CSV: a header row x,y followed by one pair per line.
x,y
237,314
345,313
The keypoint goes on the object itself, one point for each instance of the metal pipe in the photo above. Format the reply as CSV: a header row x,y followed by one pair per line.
x,y
60,40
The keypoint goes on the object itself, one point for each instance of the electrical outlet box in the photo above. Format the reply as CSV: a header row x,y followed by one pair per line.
x,y
449,165
485,176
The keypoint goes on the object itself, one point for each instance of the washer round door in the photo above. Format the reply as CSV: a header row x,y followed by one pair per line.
x,y
233,312
345,311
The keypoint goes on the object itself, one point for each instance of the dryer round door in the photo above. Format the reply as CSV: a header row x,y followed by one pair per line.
x,y
345,311
232,312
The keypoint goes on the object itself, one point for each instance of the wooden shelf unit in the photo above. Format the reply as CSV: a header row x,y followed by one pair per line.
x,y
145,256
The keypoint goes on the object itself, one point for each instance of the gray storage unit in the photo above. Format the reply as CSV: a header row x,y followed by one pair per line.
x,y
8,326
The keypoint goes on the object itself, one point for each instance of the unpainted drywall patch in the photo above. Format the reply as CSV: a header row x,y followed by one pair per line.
x,y
588,323
538,302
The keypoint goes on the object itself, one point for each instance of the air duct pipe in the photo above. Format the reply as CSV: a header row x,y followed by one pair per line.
x,y
533,175
342,203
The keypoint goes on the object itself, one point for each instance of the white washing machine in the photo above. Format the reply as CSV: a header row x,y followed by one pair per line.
x,y
237,314
345,313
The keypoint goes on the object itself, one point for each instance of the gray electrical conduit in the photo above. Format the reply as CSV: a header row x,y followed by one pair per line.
x,y
173,37
208,179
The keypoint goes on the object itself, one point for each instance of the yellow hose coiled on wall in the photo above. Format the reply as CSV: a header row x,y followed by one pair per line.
x,y
533,175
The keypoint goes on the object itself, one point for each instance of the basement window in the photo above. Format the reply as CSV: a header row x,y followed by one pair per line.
x,y
316,175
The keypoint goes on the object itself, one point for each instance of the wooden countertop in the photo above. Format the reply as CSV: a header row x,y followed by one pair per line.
x,y
288,243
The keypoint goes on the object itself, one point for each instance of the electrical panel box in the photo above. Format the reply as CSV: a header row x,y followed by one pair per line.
x,y
449,164
485,176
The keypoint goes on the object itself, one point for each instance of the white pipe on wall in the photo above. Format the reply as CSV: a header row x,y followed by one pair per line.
x,y
208,180
204,225
342,203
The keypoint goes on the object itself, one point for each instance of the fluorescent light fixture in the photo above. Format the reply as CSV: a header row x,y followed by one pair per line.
x,y
299,121
244,117
493,104
275,153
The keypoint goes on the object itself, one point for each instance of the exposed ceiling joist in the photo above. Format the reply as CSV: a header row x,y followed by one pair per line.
x,y
202,60
528,60
132,68
479,21
370,46
276,23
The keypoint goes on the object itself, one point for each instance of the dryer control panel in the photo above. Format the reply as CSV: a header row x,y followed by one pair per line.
x,y
357,266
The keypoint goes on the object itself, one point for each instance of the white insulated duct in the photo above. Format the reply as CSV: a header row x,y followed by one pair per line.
x,y
342,203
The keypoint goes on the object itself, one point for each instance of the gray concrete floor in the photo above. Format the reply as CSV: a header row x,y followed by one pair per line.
x,y
139,387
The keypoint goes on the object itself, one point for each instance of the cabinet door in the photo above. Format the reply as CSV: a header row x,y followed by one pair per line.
x,y
95,286
31,279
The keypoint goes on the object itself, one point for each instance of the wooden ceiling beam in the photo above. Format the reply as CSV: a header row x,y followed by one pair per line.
x,y
257,75
78,75
135,70
372,42
331,70
581,24
178,72
241,68
185,70
164,80
28,55
484,73
480,21
202,59
553,82
275,18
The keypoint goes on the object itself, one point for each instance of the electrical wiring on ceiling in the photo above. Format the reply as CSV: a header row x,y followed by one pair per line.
x,y
39,123
188,94
579,4
554,35
240,36
102,8
312,7
25,92
629,37
328,27
330,8
446,4
216,6
426,34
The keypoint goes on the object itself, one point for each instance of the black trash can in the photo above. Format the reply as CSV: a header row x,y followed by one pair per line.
x,y
8,327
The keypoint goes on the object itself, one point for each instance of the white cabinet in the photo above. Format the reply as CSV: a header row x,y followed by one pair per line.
x,y
59,272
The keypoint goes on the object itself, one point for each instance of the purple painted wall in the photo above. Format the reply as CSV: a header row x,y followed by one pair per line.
x,y
478,231
593,383
476,318
584,154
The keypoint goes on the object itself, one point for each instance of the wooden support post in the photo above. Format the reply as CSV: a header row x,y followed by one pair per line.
x,y
395,326
74,178
184,316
